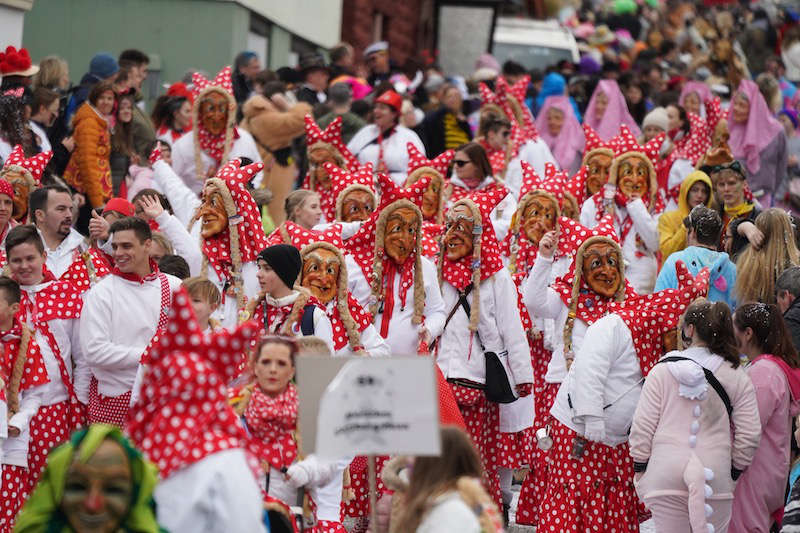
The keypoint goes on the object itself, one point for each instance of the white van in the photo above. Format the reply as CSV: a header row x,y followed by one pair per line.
x,y
535,44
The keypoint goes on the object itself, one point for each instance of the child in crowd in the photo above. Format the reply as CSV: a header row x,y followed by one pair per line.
x,y
205,298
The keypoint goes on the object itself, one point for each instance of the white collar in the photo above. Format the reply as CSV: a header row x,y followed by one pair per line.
x,y
488,180
280,302
73,240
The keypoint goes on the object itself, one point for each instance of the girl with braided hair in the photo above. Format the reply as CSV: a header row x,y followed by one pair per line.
x,y
13,130
774,370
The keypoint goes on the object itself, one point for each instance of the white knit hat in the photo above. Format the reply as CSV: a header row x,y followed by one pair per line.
x,y
656,117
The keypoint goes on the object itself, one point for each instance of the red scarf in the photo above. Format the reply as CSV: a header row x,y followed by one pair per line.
x,y
406,282
272,422
154,272
214,145
361,318
34,372
174,135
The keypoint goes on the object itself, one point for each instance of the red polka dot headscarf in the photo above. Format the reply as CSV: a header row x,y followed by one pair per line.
x,y
344,182
182,415
31,168
329,139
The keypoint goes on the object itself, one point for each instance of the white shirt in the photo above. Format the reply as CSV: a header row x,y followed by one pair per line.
x,y
403,336
118,320
364,145
450,514
183,161
605,371
501,214
641,265
217,494
44,141
60,258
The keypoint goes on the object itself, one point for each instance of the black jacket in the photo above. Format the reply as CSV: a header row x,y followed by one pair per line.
x,y
792,319
431,130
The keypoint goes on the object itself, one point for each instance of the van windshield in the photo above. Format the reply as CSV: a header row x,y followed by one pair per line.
x,y
530,56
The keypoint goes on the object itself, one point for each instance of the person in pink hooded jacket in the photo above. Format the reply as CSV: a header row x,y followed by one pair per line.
x,y
773,369
685,458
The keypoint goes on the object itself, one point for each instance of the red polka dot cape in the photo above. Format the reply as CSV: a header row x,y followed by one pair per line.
x,y
576,185
502,97
247,219
459,273
440,163
690,147
304,240
182,414
32,166
79,274
331,135
34,372
58,300
343,181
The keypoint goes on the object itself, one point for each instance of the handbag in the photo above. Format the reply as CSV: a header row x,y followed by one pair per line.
x,y
497,387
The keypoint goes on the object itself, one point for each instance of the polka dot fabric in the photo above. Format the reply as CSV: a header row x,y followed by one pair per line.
x,y
13,493
7,189
342,179
440,163
594,493
553,183
331,135
107,409
48,429
34,372
78,273
272,422
593,141
358,507
251,232
183,415
222,80
576,185
626,142
482,419
34,165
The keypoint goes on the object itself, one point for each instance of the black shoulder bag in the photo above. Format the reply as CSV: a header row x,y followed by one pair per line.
x,y
497,387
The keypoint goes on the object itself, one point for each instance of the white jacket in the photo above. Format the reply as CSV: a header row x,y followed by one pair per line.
x,y
118,320
185,245
450,514
15,449
501,214
217,494
324,485
536,154
403,336
183,161
605,371
364,145
460,354
371,340
67,335
641,266
183,200
544,302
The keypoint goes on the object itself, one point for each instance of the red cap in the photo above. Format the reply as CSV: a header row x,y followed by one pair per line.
x,y
6,188
392,99
121,206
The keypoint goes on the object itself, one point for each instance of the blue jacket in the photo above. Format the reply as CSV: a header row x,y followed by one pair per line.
x,y
722,276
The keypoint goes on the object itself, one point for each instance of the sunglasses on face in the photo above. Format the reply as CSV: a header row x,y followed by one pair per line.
x,y
460,162
735,166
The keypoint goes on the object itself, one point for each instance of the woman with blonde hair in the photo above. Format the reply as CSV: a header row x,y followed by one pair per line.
x,y
759,268
303,207
53,74
444,493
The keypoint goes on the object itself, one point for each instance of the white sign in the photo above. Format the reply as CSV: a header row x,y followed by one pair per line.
x,y
380,406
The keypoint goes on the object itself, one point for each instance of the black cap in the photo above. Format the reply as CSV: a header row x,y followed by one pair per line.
x,y
285,260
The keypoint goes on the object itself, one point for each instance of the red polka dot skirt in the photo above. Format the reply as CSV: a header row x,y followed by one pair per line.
x,y
533,487
482,418
358,507
48,429
327,526
13,493
107,409
594,493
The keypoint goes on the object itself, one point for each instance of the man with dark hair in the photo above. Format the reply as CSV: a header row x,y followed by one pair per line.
x,y
787,290
69,257
342,60
245,67
703,226
174,265
121,315
341,98
513,71
135,63
315,79
50,309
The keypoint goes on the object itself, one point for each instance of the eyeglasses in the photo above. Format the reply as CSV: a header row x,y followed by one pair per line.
x,y
460,162
735,166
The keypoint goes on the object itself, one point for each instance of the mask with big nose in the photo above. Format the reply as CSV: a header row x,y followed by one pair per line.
x,y
400,238
602,268
458,240
539,217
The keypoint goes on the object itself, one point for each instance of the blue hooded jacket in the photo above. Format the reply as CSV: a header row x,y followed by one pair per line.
x,y
722,276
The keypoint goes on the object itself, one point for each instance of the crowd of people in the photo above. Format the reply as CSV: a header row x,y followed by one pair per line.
x,y
615,241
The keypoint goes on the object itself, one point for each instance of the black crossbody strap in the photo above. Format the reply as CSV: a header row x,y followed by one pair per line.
x,y
462,302
712,380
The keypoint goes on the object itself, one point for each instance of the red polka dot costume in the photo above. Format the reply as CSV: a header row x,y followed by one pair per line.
x,y
344,182
331,141
23,371
593,487
31,170
182,419
493,324
51,310
436,169
6,189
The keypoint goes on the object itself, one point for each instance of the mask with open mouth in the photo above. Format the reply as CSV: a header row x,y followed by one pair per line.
x,y
321,274
400,239
458,240
601,268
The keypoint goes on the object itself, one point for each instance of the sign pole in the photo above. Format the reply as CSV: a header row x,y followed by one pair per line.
x,y
373,492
